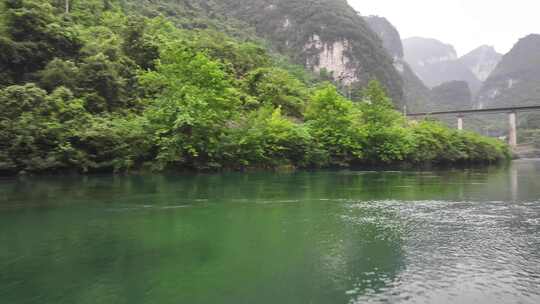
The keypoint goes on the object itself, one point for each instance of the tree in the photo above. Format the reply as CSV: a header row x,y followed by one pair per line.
x,y
388,140
268,139
100,80
34,36
336,124
59,72
17,100
194,102
35,128
276,87
138,46
378,108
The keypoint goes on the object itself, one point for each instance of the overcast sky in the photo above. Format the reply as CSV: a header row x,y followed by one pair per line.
x,y
466,24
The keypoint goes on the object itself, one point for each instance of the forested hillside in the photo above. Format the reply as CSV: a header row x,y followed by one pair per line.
x,y
515,79
119,85
516,82
436,63
327,36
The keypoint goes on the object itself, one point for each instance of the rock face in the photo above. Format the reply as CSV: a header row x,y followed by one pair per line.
x,y
416,94
324,35
331,58
436,63
481,61
389,35
516,79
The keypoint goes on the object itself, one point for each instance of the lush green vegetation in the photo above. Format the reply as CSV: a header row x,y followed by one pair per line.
x,y
101,88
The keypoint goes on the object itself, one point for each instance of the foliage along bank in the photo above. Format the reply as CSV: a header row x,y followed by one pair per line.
x,y
101,89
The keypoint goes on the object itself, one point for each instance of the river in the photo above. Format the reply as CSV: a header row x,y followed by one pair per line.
x,y
449,236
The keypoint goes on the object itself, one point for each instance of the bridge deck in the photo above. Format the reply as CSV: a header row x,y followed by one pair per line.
x,y
478,111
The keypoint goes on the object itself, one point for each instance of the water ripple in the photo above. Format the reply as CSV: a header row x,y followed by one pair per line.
x,y
456,252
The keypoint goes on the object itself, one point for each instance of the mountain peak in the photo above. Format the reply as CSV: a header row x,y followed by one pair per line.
x,y
422,51
523,57
481,61
436,62
531,36
389,35
516,78
487,48
482,51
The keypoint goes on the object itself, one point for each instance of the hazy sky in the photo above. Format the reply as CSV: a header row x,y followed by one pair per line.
x,y
466,24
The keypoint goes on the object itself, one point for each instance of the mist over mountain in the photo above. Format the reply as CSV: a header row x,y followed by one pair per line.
x,y
436,63
481,61
421,52
416,95
516,79
389,35
448,95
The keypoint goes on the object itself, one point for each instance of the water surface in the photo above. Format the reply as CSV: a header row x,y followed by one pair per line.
x,y
453,236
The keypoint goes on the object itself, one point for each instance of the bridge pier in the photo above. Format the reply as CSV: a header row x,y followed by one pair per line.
x,y
460,122
512,132
511,111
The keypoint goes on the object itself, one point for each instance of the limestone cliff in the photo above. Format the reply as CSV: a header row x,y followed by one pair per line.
x,y
332,58
325,36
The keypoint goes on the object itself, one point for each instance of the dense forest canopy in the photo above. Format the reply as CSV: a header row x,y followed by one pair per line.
x,y
119,85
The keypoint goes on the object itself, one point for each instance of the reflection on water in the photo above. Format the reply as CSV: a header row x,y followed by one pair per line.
x,y
455,236
460,252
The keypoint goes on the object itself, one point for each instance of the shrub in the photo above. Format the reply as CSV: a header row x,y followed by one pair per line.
x,y
335,124
268,139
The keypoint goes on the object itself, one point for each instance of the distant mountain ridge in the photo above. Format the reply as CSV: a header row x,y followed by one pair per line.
x,y
516,79
481,61
447,95
436,63
420,52
416,95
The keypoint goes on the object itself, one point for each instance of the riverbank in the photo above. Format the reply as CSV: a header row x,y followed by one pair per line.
x,y
164,98
405,167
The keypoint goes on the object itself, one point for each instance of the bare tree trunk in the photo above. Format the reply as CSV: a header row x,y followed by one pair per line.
x,y
67,6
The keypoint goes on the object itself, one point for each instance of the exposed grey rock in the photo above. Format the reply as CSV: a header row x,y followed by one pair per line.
x,y
481,61
436,63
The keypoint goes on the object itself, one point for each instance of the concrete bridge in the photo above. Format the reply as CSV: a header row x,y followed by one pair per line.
x,y
512,117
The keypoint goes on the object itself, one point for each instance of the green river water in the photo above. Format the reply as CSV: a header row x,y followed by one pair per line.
x,y
452,236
